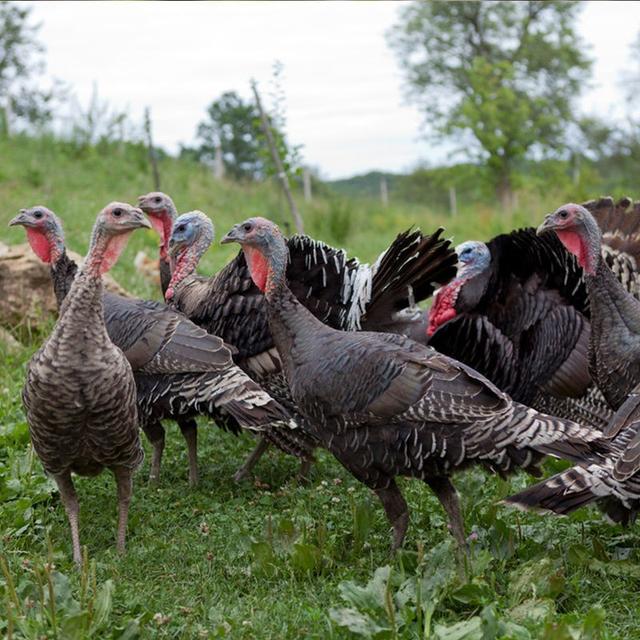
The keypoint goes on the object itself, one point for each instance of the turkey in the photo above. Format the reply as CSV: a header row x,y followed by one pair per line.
x,y
180,370
162,212
385,405
518,312
339,291
614,345
80,394
614,361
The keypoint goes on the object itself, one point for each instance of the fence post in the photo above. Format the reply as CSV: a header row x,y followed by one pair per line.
x,y
284,181
218,163
152,152
384,191
306,184
453,202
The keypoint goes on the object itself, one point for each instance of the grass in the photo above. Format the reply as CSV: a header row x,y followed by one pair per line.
x,y
270,558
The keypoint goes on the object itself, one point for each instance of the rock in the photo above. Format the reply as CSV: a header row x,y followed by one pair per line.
x,y
26,293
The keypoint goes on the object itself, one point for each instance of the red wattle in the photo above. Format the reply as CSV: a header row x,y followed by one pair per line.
x,y
39,243
258,267
114,248
443,309
162,223
574,243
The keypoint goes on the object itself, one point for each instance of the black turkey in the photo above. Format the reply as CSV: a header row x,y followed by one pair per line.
x,y
339,291
385,405
614,360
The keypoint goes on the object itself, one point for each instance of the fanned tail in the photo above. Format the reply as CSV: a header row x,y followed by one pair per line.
x,y
409,271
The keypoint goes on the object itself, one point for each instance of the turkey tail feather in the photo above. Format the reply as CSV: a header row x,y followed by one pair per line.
x,y
409,271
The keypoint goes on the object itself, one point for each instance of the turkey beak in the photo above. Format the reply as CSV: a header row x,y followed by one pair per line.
x,y
235,235
138,220
20,219
547,225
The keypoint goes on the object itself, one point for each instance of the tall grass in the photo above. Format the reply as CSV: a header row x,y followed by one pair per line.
x,y
76,181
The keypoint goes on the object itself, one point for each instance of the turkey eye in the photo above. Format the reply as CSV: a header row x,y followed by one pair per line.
x,y
247,227
180,227
156,199
37,215
563,214
117,213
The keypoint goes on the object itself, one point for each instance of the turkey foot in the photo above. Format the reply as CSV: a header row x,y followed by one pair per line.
x,y
251,461
304,472
395,506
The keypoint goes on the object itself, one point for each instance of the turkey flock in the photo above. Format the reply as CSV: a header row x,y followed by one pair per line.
x,y
531,348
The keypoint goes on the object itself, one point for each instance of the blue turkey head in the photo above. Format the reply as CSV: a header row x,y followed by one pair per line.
x,y
473,258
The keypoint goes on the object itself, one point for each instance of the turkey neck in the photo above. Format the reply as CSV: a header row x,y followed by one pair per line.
x,y
185,265
613,310
83,307
289,321
612,306
63,272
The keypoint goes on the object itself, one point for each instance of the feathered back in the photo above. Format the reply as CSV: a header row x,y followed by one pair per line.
x,y
340,291
522,254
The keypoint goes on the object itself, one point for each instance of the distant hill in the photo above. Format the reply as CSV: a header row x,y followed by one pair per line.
x,y
366,185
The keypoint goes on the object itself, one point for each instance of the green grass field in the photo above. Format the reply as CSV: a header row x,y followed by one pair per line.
x,y
270,558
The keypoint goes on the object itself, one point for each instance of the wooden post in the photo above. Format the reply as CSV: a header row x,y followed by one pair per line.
x,y
152,152
384,191
284,181
218,163
306,183
453,203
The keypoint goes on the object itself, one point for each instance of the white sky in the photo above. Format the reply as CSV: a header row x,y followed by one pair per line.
x,y
343,85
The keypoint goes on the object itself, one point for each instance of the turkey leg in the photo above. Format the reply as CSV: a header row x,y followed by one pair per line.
x,y
395,507
448,497
155,434
189,429
71,506
124,480
251,461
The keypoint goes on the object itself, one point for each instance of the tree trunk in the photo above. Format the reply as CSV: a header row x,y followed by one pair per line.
x,y
504,192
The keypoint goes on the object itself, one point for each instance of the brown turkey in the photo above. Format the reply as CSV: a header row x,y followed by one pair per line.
x,y
339,291
385,405
614,361
162,212
80,394
180,370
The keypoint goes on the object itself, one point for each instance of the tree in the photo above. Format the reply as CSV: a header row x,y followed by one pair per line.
x,y
501,77
234,126
21,60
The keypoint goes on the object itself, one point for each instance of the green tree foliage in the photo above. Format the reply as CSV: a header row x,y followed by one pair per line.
x,y
234,125
502,78
20,60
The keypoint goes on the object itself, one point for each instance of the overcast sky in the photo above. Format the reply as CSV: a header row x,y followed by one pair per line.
x,y
343,86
